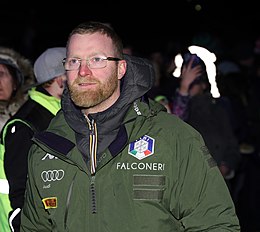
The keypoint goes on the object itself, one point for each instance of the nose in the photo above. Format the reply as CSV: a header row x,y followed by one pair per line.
x,y
84,70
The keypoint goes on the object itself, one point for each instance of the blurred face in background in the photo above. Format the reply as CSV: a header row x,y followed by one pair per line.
x,y
7,84
55,86
60,80
197,89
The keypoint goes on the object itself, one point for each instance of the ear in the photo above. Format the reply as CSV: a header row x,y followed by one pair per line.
x,y
60,81
121,70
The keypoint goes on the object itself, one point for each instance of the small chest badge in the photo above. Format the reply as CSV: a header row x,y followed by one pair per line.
x,y
50,202
142,147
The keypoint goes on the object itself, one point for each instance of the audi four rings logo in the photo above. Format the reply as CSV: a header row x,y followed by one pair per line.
x,y
52,175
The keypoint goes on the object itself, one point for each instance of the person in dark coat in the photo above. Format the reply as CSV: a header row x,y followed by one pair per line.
x,y
42,105
194,103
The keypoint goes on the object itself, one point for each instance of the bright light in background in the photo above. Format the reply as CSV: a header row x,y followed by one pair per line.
x,y
178,62
208,58
198,7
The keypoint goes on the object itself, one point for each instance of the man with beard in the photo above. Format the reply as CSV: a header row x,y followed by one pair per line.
x,y
114,160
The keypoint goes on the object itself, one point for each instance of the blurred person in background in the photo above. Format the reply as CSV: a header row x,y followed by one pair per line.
x,y
165,102
16,72
246,54
194,104
35,114
164,81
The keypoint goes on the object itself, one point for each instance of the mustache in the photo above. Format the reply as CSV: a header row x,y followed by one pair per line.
x,y
84,80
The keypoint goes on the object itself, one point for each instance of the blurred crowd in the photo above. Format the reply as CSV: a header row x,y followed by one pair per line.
x,y
230,124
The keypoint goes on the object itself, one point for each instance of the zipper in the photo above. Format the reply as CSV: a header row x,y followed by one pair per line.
x,y
92,145
93,195
93,161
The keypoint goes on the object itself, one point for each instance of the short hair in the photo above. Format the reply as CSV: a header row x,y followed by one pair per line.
x,y
48,83
92,27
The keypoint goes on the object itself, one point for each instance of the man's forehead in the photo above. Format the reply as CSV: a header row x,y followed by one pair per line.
x,y
90,44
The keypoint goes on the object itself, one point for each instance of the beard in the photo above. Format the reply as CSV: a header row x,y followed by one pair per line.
x,y
95,96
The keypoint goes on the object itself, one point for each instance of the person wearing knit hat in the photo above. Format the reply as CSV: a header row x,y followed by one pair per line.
x,y
47,66
42,105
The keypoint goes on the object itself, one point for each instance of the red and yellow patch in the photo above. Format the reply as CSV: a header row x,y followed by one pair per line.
x,y
50,202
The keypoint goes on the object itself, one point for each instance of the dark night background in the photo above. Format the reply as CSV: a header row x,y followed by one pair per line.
x,y
148,26
30,28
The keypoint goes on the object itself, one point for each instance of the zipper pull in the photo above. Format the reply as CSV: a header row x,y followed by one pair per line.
x,y
92,144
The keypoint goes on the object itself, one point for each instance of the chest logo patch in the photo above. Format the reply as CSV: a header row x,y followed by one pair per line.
x,y
142,147
50,202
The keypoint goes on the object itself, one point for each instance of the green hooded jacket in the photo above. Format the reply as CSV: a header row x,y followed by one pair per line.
x,y
134,167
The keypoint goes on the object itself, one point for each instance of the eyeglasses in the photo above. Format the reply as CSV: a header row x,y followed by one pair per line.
x,y
94,62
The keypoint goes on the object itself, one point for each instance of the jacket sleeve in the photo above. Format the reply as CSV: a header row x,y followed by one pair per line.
x,y
180,105
203,199
33,216
17,144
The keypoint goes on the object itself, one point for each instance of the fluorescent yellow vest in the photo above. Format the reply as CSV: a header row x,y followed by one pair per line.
x,y
53,105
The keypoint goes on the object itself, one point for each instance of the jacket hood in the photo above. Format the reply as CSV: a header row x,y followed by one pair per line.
x,y
138,80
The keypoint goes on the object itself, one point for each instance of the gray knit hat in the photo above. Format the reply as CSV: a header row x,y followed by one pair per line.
x,y
49,64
